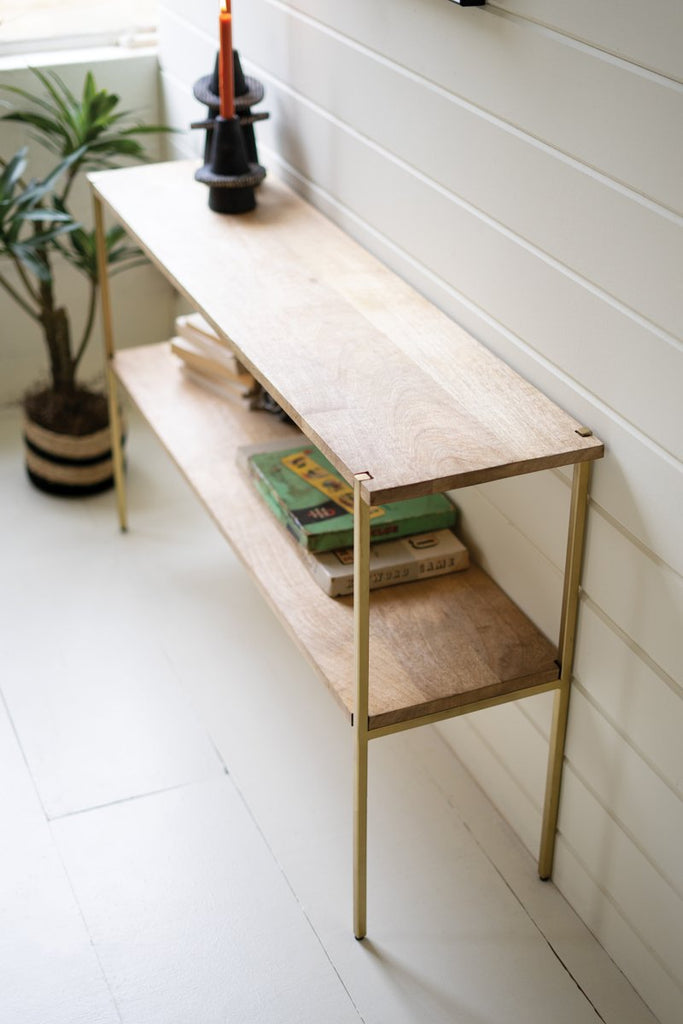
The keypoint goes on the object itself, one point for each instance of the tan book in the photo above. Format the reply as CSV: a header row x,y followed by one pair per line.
x,y
219,363
417,557
223,388
195,328
199,331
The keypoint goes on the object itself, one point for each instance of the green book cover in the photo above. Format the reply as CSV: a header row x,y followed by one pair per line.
x,y
307,494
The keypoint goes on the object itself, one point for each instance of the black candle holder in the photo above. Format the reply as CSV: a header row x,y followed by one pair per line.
x,y
231,168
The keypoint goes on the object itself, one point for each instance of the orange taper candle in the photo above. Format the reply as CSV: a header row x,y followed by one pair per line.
x,y
225,72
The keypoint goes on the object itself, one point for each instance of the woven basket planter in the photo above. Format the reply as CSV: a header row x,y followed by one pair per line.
x,y
67,464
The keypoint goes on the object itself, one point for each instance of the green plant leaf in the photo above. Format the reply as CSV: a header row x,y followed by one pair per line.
x,y
13,172
44,124
89,88
23,209
37,189
32,263
64,100
44,214
40,240
86,132
25,94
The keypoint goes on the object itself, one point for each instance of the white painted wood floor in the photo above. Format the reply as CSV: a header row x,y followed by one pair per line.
x,y
175,805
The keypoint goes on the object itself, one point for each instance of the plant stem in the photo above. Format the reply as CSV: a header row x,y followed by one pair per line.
x,y
70,177
26,279
92,308
17,298
57,335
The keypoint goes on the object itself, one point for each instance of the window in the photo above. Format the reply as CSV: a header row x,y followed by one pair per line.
x,y
37,25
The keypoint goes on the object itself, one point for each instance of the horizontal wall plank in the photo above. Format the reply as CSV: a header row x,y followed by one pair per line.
x,y
616,777
615,1003
640,595
648,810
639,486
661,992
180,108
539,511
495,751
649,36
644,707
468,738
506,553
645,899
506,524
643,597
577,330
635,701
202,15
577,219
565,96
186,53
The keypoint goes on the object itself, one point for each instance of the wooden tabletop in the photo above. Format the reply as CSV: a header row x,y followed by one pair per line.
x,y
374,374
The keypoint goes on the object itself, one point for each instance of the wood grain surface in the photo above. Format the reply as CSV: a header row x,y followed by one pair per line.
x,y
435,644
374,374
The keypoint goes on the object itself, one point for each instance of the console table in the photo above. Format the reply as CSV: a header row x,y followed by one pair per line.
x,y
402,401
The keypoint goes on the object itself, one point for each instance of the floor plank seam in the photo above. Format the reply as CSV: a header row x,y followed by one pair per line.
x,y
511,889
126,800
20,747
300,905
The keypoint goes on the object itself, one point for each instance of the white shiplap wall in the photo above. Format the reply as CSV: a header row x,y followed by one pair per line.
x,y
522,165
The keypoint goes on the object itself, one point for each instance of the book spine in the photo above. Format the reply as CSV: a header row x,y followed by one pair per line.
x,y
276,508
224,368
333,540
422,569
200,335
426,523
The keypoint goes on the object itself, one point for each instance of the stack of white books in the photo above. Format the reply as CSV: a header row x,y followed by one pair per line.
x,y
209,360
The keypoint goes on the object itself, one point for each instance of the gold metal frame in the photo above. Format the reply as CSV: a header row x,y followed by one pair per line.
x,y
361,728
363,733
567,642
112,390
361,625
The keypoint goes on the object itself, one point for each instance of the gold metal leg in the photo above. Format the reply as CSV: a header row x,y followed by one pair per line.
x,y
570,610
361,616
114,417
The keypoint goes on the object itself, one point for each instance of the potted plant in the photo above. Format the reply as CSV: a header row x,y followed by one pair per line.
x,y
66,423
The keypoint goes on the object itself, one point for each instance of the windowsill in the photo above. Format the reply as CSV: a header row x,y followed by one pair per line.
x,y
31,27
91,53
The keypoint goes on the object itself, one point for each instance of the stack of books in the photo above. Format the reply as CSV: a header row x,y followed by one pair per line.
x,y
209,360
410,539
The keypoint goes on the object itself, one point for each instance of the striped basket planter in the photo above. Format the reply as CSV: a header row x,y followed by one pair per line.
x,y
66,464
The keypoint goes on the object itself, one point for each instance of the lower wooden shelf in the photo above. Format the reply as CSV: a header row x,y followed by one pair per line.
x,y
436,645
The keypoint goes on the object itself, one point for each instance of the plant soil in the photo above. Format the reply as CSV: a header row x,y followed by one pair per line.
x,y
77,413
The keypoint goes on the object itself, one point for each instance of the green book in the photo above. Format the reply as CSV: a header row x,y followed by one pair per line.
x,y
307,494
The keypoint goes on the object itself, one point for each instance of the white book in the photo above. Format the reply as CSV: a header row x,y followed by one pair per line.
x,y
220,363
417,557
222,388
195,328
